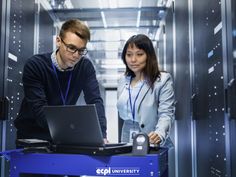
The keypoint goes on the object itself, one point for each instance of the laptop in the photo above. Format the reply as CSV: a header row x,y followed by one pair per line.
x,y
76,129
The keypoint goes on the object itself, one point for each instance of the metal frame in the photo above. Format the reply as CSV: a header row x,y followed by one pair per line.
x,y
228,72
5,16
191,65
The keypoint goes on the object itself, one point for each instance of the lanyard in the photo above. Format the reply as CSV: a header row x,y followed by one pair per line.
x,y
132,107
63,97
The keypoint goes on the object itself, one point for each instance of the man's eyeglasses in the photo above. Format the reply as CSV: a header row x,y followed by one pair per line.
x,y
72,49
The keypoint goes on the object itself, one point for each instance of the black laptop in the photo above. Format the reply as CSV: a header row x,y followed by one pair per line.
x,y
76,129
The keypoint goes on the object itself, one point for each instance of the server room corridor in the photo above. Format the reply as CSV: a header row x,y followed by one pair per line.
x,y
194,40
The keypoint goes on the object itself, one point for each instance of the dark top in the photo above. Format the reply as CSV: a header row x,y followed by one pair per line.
x,y
41,87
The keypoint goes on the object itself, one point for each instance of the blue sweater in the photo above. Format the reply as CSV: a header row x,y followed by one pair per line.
x,y
41,88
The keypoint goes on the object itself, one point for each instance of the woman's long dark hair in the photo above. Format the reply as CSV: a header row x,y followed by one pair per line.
x,y
151,71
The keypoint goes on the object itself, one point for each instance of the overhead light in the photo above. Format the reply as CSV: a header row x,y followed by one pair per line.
x,y
104,19
138,18
139,13
53,3
169,3
68,4
140,4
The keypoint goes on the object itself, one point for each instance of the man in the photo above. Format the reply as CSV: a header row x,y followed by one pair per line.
x,y
58,78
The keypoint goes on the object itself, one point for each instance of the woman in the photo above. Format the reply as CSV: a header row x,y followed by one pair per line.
x,y
145,95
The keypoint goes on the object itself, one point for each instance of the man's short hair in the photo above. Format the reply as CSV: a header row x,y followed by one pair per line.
x,y
75,26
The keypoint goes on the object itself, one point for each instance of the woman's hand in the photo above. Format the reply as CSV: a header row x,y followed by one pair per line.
x,y
154,138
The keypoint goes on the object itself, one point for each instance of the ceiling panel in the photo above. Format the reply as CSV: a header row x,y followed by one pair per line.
x,y
109,33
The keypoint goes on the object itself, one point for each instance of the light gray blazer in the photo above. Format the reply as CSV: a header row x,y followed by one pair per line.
x,y
155,108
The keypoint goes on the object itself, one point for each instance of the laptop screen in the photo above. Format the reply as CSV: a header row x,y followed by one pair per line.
x,y
74,125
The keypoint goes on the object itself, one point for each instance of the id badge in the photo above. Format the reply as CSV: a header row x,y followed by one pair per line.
x,y
132,134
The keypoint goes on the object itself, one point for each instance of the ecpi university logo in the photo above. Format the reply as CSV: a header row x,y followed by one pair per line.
x,y
117,171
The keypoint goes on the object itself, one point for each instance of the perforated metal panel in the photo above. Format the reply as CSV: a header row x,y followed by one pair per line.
x,y
208,87
20,48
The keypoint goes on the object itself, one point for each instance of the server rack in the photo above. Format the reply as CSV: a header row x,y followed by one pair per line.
x,y
25,34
